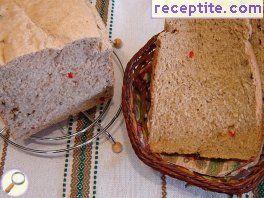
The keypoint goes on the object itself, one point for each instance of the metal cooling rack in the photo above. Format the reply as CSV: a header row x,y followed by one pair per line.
x,y
94,122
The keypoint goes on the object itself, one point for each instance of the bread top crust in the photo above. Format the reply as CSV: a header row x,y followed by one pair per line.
x,y
198,100
29,26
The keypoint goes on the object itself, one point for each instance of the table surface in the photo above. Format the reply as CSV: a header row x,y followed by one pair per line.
x,y
95,171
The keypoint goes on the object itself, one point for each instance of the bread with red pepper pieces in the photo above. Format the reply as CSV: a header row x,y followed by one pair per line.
x,y
206,94
55,61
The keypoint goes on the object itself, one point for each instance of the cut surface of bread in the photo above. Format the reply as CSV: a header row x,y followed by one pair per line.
x,y
54,62
205,92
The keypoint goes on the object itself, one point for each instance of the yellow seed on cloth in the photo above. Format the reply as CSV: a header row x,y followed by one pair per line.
x,y
117,147
117,43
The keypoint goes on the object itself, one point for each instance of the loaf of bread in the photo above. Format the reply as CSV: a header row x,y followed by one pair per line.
x,y
206,94
55,61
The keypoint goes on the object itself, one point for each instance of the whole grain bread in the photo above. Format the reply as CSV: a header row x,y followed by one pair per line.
x,y
206,94
55,61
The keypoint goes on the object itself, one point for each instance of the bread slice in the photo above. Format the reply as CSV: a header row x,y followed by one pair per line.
x,y
205,92
54,62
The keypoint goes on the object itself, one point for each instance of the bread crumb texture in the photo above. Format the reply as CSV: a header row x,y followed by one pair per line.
x,y
203,93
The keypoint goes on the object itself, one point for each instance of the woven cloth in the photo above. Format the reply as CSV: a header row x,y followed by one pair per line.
x,y
94,170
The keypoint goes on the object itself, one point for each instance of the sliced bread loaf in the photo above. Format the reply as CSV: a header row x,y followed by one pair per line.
x,y
205,92
55,62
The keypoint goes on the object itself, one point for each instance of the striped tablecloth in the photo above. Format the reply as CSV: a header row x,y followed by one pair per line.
x,y
94,170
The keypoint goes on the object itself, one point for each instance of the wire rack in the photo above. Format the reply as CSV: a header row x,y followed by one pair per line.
x,y
64,136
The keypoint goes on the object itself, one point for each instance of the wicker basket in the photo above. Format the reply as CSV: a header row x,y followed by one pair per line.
x,y
136,100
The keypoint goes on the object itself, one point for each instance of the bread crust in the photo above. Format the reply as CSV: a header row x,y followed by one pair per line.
x,y
44,22
154,65
257,26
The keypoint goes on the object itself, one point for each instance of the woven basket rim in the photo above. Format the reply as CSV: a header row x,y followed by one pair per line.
x,y
238,187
